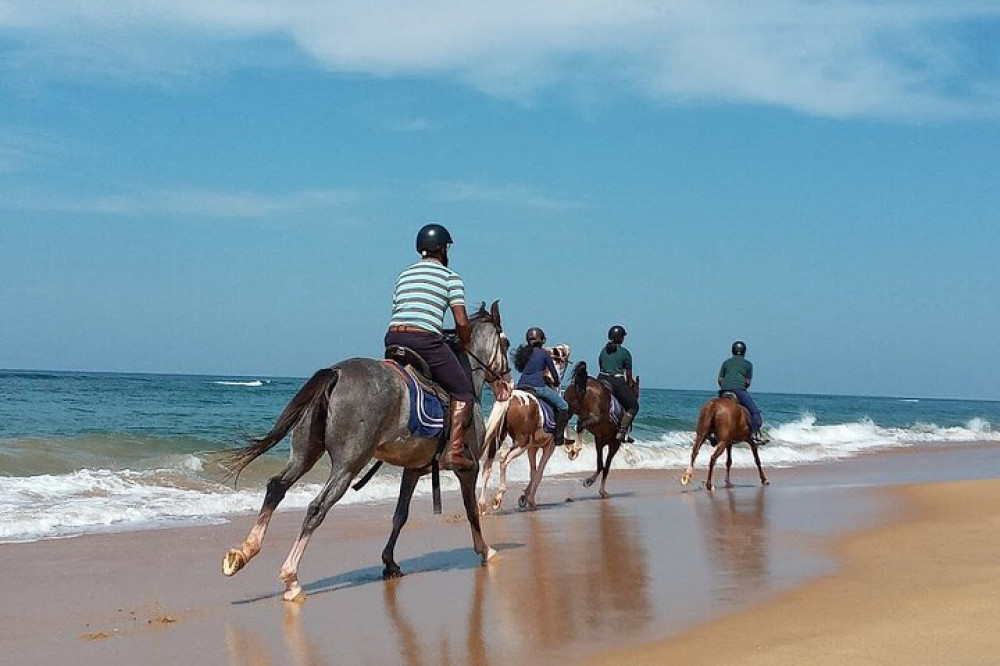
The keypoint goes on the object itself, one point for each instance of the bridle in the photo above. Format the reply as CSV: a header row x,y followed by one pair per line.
x,y
489,374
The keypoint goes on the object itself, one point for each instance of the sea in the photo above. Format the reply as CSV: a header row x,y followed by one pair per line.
x,y
84,452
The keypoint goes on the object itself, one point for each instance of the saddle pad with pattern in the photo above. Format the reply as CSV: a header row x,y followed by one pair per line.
x,y
426,410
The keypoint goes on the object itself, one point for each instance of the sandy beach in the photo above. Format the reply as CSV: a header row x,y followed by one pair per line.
x,y
886,558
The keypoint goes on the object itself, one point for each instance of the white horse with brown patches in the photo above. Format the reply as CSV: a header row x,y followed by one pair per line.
x,y
519,417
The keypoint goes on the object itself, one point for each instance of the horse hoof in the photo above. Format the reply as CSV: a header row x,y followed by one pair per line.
x,y
389,574
497,501
588,483
765,482
294,593
709,487
604,495
685,479
489,554
233,561
522,502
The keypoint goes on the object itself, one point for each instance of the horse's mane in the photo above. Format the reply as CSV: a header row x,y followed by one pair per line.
x,y
580,378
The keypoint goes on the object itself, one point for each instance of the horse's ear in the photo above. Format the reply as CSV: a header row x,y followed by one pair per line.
x,y
482,307
495,312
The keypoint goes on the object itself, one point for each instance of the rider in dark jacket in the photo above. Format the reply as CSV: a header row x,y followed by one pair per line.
x,y
735,376
616,367
532,361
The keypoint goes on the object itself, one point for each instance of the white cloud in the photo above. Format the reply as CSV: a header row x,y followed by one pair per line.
x,y
825,57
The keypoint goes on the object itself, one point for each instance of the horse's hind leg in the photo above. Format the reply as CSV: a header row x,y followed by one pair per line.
x,y
760,470
729,465
547,452
513,452
467,481
333,490
722,446
237,558
485,473
406,488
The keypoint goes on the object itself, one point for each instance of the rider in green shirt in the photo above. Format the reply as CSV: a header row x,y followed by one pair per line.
x,y
616,367
735,376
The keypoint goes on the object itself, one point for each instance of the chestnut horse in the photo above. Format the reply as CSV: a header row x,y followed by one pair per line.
x,y
722,421
520,418
590,400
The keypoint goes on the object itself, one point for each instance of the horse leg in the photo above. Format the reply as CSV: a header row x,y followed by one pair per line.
x,y
525,500
760,470
612,450
467,481
689,472
484,475
406,487
589,481
333,490
237,558
720,447
729,465
547,452
514,451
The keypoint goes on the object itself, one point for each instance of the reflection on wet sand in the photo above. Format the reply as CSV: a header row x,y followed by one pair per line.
x,y
575,583
734,523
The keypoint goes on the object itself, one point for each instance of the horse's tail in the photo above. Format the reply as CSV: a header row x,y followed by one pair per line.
x,y
580,380
496,428
315,394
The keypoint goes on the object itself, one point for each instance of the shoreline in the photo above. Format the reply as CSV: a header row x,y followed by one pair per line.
x,y
656,562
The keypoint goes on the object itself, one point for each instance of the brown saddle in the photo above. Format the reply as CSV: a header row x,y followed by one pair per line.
x,y
417,368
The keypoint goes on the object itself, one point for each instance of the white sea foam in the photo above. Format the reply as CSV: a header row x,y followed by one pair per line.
x,y
91,500
253,383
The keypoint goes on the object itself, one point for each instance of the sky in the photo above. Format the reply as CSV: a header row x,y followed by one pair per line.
x,y
231,187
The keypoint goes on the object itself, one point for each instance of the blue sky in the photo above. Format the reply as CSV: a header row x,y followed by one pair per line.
x,y
231,187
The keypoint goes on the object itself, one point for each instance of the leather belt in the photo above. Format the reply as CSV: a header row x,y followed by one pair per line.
x,y
408,329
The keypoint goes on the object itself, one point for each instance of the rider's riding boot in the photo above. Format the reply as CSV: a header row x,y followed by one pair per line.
x,y
759,438
562,420
454,457
623,427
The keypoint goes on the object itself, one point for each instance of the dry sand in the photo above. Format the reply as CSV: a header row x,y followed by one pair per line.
x,y
824,565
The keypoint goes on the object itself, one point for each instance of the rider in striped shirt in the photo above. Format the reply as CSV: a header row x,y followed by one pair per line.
x,y
424,292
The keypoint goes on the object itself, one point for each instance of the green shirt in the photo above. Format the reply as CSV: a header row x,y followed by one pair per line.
x,y
735,373
616,362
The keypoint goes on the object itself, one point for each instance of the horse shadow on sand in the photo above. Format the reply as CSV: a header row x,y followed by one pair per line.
x,y
456,559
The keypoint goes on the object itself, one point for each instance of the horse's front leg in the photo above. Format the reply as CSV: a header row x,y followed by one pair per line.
x,y
599,445
527,496
467,480
484,475
699,439
406,487
333,490
612,450
760,470
516,449
547,452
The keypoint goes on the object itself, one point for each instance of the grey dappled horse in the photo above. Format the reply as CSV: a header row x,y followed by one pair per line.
x,y
355,411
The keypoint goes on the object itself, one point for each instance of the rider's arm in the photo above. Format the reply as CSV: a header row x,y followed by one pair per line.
x,y
462,325
551,367
749,379
629,379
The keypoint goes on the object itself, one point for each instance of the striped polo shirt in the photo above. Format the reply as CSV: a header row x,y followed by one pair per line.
x,y
424,292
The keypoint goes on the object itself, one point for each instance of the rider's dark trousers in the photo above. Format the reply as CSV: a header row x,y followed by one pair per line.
x,y
445,366
624,393
756,420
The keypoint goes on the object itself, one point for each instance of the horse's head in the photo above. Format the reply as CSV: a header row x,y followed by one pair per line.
x,y
560,357
488,350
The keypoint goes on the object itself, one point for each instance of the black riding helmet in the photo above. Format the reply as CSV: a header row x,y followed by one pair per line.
x,y
432,237
535,336
739,348
617,334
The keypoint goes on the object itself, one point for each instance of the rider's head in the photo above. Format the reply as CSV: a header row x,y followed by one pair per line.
x,y
433,241
739,348
535,336
616,334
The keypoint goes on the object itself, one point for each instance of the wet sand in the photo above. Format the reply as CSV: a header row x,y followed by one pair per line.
x,y
657,571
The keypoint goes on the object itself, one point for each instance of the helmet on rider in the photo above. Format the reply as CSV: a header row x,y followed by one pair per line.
x,y
432,237
739,348
616,334
535,336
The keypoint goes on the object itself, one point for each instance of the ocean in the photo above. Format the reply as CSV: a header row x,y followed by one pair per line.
x,y
92,452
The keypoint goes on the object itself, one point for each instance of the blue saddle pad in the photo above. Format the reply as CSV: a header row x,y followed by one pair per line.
x,y
426,410
548,416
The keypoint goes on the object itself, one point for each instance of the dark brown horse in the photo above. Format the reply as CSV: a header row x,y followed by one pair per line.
x,y
724,422
590,400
